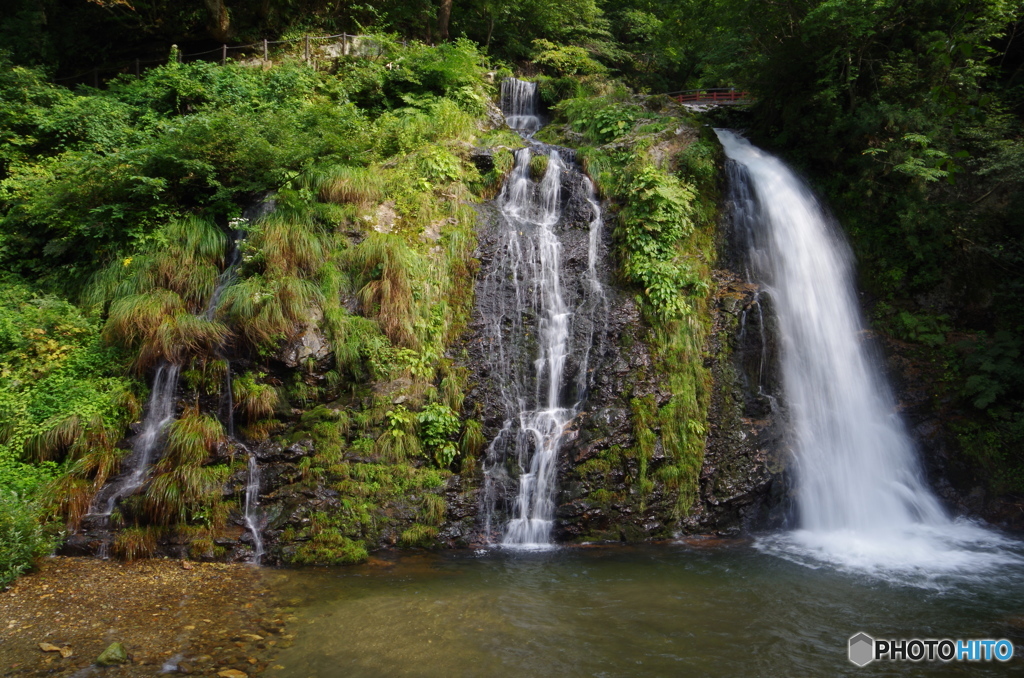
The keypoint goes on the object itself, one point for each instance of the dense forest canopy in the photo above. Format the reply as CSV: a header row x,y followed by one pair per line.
x,y
905,114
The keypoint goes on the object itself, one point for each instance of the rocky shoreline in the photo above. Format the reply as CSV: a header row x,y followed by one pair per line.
x,y
174,617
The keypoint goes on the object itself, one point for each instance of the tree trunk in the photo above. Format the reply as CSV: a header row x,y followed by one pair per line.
x,y
443,15
220,20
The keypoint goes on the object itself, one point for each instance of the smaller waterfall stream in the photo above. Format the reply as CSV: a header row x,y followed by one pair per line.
x,y
861,496
160,411
520,102
541,329
252,514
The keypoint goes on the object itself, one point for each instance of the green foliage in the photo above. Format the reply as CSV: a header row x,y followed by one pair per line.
x,y
198,136
329,547
22,539
565,59
602,119
253,400
184,488
388,266
995,448
434,509
994,370
438,425
538,166
418,535
663,186
125,197
60,389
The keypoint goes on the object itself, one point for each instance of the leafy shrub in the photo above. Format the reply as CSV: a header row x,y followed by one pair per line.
x,y
565,59
22,538
60,391
994,370
438,426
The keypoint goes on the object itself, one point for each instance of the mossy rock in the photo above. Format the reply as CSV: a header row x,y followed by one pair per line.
x,y
538,167
114,654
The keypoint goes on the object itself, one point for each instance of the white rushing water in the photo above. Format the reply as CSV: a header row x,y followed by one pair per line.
x,y
160,411
252,514
532,255
529,316
594,308
520,102
862,500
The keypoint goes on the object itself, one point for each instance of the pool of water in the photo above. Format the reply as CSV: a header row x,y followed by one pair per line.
x,y
703,608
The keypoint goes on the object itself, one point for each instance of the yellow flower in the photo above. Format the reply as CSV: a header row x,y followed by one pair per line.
x,y
127,262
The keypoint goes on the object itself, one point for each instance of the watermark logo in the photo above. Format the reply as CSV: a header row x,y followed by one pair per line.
x,y
864,649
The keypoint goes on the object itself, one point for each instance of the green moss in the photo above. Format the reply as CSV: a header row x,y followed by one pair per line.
x,y
665,227
329,547
538,166
595,465
419,535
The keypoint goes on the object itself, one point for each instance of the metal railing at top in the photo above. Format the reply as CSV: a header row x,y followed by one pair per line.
x,y
312,46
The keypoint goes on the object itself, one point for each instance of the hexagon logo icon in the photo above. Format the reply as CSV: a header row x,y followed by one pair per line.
x,y
862,649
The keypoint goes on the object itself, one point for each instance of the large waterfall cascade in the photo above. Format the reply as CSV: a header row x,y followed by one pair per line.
x,y
861,495
529,325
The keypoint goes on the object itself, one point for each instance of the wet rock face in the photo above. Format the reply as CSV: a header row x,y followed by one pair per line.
x,y
597,372
597,498
743,484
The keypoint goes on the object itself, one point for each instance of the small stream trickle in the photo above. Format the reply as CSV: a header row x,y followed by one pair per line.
x,y
252,515
160,412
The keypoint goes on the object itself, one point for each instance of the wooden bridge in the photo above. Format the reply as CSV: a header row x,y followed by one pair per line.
x,y
714,96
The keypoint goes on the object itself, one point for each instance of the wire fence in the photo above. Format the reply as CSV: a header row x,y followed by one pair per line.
x,y
314,48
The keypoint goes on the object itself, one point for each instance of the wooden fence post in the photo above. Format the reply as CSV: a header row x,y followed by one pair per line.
x,y
305,40
265,58
344,44
223,55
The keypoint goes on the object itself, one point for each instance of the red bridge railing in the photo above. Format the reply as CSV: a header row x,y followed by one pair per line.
x,y
715,95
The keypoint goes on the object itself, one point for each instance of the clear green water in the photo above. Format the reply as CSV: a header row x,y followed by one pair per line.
x,y
704,609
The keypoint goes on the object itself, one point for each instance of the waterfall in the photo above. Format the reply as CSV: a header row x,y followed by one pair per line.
x,y
520,102
159,413
252,513
543,323
861,496
530,385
